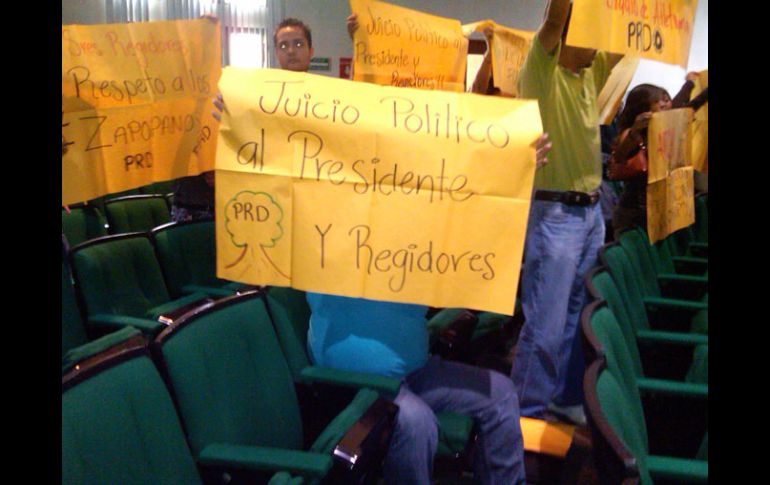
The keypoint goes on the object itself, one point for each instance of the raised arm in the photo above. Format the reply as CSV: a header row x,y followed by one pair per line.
x,y
553,26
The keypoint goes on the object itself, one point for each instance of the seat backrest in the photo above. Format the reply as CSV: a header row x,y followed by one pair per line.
x,y
119,425
665,257
136,213
614,257
118,275
638,250
621,447
291,316
81,223
604,330
229,376
162,188
73,332
187,254
601,287
701,226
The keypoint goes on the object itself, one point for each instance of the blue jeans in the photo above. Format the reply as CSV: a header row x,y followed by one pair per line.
x,y
488,396
562,245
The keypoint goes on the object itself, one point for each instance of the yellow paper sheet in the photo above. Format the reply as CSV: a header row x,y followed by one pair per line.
x,y
397,46
670,189
509,49
372,191
540,436
136,104
660,30
612,93
700,127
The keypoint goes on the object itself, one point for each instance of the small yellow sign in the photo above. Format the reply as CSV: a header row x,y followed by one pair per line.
x,y
509,49
372,191
660,30
397,46
136,104
670,189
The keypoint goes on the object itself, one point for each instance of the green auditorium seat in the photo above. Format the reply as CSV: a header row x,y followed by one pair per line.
x,y
647,265
187,255
158,188
685,315
668,263
82,222
619,436
136,213
661,352
290,314
238,403
119,424
676,411
120,283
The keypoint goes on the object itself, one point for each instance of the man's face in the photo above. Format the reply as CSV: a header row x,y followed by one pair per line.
x,y
292,49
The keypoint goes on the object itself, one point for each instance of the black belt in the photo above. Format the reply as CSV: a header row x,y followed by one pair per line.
x,y
569,197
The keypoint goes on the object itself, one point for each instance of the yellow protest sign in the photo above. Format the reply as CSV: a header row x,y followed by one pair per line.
x,y
670,185
660,30
397,46
136,104
509,49
700,127
617,83
372,191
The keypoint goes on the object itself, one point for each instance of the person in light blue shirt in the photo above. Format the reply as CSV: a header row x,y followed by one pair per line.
x,y
391,339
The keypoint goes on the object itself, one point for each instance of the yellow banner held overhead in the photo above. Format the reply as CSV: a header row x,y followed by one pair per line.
x,y
372,191
136,104
509,49
612,93
660,30
397,46
700,127
670,185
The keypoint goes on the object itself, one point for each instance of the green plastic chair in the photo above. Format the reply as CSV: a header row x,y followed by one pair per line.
x,y
654,282
186,252
685,315
669,263
237,398
618,430
661,353
675,411
136,213
290,314
73,332
120,283
82,222
119,424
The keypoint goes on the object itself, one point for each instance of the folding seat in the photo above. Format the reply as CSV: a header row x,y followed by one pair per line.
x,y
675,411
290,314
120,283
186,252
119,424
82,222
685,314
662,352
136,213
238,404
647,264
620,446
669,263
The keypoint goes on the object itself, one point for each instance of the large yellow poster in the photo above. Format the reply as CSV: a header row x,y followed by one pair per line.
x,y
670,184
372,191
660,30
612,93
397,46
509,49
136,104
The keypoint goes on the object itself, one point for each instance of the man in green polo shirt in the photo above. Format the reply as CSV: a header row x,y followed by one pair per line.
x,y
565,228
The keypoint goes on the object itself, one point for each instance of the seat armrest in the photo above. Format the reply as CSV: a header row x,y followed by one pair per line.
x,y
115,322
678,469
682,279
325,375
266,458
673,388
672,303
674,338
366,435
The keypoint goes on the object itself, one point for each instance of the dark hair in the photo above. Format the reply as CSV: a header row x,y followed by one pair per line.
x,y
639,100
292,22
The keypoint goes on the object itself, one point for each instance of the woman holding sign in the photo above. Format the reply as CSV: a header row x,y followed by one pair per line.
x,y
628,161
